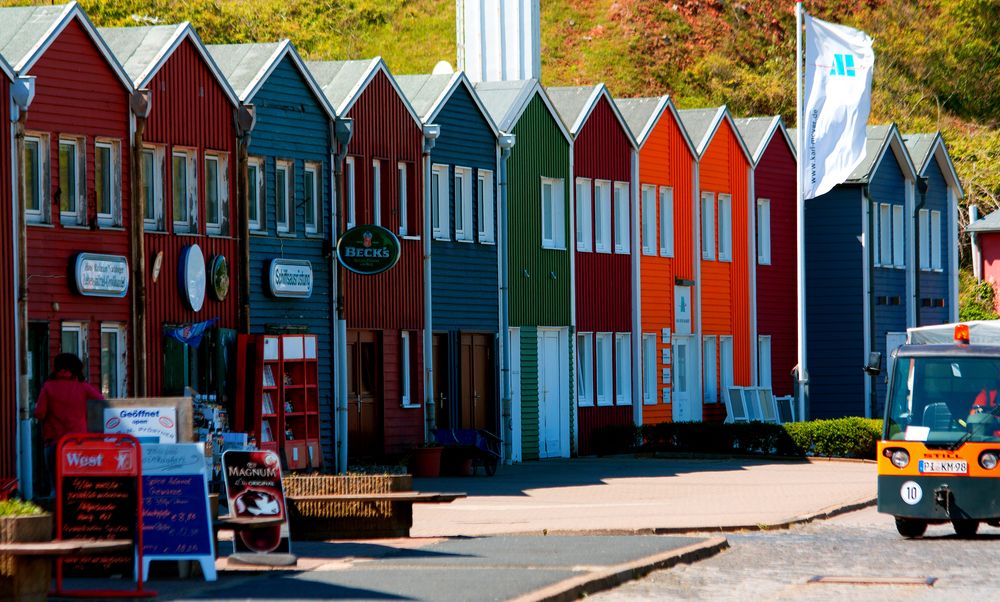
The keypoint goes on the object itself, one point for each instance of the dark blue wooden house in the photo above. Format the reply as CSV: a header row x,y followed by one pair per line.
x,y
289,176
859,296
465,308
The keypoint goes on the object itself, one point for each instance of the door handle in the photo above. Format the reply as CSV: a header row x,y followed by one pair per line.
x,y
441,400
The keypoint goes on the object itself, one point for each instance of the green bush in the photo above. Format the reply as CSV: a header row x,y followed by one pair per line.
x,y
840,438
18,508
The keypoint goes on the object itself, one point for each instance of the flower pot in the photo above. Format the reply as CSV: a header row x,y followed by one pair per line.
x,y
426,462
25,578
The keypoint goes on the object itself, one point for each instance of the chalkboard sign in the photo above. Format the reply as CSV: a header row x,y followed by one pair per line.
x,y
176,521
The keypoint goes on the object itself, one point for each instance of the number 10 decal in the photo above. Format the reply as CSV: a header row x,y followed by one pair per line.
x,y
911,493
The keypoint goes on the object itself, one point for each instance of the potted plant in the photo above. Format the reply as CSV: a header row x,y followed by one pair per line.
x,y
426,460
24,577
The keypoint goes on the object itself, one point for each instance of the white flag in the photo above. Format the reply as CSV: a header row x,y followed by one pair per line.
x,y
839,63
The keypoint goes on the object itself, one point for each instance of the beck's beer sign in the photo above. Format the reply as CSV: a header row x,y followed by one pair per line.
x,y
368,249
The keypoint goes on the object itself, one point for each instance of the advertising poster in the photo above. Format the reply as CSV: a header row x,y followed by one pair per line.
x,y
253,488
148,425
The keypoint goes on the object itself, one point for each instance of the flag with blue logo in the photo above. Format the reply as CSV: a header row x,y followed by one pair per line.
x,y
838,92
189,334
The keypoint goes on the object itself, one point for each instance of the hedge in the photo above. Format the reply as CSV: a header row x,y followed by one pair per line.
x,y
841,438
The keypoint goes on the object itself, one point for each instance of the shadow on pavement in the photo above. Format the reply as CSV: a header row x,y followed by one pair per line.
x,y
337,550
292,586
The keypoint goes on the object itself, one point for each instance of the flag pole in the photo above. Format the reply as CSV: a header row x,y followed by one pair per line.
x,y
802,374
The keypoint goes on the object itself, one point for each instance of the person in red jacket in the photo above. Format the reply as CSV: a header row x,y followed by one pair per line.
x,y
62,406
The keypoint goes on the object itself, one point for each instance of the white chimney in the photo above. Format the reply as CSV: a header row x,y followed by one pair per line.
x,y
499,40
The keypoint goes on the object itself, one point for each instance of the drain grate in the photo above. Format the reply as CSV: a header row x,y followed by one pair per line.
x,y
858,580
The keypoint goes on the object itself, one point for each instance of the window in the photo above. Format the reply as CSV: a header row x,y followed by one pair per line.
x,y
152,188
255,193
898,258
725,227
349,192
439,202
184,190
216,194
463,204
311,179
113,361
936,240
666,222
708,225
602,216
885,234
764,231
924,227
585,369
73,339
604,369
377,192
283,196
108,182
649,369
553,218
405,375
648,220
584,216
484,191
72,182
708,366
623,369
404,218
34,170
726,362
622,225
876,236
764,361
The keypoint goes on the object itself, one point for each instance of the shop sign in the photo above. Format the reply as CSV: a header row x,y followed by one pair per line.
x,y
192,275
368,249
291,278
254,491
682,310
148,425
220,277
100,275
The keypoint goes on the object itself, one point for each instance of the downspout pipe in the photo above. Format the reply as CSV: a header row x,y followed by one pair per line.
x,y
506,143
431,133
870,251
140,102
246,119
922,189
342,130
22,92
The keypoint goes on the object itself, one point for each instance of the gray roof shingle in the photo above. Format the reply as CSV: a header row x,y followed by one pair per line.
x,y
139,48
506,100
698,123
424,91
340,80
570,102
242,64
22,28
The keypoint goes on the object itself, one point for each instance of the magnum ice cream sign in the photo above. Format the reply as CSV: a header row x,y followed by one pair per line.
x,y
253,488
368,249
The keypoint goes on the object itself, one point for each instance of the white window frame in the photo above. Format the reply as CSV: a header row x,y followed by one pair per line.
x,y
725,363
876,234
603,368
218,224
648,369
923,228
485,207
285,197
555,217
666,221
190,161
936,259
898,241
649,242
350,191
112,218
118,330
584,215
440,202
154,180
710,374
77,214
80,328
406,372
43,214
404,205
764,231
255,182
585,358
602,216
314,169
623,369
708,226
885,234
764,361
622,218
725,227
463,205
377,192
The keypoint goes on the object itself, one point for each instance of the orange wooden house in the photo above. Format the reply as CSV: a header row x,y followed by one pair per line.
x,y
668,222
725,273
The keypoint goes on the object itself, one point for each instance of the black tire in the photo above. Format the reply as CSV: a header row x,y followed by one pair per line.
x,y
965,528
910,527
490,466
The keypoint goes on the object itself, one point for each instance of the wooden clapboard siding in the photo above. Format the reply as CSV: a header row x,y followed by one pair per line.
x,y
936,284
402,427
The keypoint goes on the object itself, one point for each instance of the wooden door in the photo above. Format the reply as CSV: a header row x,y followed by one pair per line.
x,y
441,376
550,394
364,415
478,395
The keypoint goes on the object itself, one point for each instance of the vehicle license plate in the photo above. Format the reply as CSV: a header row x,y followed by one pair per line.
x,y
944,466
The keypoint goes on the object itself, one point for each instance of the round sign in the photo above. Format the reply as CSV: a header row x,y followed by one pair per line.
x,y
220,277
368,249
911,493
192,276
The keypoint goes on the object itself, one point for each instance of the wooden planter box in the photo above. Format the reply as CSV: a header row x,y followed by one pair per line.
x,y
321,520
25,578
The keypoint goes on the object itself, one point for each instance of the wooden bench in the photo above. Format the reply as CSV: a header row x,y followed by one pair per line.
x,y
66,547
31,573
396,524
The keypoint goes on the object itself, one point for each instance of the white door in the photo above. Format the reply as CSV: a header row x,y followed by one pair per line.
x,y
550,394
683,380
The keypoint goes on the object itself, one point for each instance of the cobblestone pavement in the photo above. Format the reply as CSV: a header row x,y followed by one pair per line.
x,y
777,565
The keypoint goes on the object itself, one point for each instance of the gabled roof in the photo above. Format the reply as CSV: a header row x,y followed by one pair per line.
x,y
990,223
247,66
642,115
757,133
575,104
144,50
26,32
343,82
506,101
428,94
702,124
879,139
924,147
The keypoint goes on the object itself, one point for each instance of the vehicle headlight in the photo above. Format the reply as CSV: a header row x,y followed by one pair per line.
x,y
988,460
900,458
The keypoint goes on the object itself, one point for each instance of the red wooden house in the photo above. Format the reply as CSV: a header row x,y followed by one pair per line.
x,y
606,262
191,236
382,185
777,274
76,206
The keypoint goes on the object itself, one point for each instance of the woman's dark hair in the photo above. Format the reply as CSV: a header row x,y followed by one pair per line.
x,y
68,362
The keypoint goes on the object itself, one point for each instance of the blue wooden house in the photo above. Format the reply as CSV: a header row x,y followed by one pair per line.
x,y
289,176
465,298
859,296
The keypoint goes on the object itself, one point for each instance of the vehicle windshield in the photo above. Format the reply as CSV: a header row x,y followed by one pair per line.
x,y
944,400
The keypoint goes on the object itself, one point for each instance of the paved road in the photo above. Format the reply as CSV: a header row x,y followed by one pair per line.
x,y
777,565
